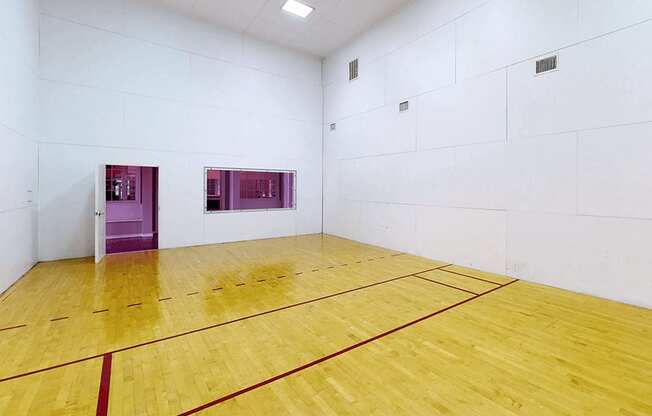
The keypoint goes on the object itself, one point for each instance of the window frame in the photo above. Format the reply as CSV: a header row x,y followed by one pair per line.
x,y
259,170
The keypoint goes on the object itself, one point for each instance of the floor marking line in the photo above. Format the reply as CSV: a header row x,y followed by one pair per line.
x,y
206,328
472,277
59,319
335,354
446,285
13,327
105,384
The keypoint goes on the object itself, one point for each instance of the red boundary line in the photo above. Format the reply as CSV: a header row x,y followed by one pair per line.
x,y
142,344
335,354
13,327
105,384
472,277
444,284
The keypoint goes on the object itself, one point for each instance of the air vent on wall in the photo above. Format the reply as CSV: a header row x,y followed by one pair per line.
x,y
404,106
546,64
353,70
333,126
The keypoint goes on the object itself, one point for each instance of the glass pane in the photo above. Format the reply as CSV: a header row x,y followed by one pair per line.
x,y
238,190
122,183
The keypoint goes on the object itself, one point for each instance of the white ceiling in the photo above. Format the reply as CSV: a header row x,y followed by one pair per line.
x,y
331,25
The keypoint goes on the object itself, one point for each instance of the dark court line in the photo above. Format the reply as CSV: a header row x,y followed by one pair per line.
x,y
105,384
333,355
217,325
444,284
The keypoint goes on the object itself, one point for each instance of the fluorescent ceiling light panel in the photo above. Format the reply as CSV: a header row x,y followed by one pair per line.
x,y
297,9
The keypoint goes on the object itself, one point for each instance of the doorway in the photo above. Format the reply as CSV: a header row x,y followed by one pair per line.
x,y
131,208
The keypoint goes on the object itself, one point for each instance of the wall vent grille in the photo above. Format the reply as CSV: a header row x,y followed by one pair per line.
x,y
353,70
404,106
546,64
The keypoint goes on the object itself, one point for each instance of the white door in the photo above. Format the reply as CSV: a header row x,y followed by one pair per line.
x,y
100,211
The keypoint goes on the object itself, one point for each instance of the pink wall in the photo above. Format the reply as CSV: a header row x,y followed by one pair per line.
x,y
232,197
135,217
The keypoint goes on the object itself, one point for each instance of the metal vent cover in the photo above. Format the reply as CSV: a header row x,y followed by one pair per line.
x,y
404,106
353,69
546,64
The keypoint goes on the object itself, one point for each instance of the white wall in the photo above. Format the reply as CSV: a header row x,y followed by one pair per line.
x,y
133,83
18,157
547,178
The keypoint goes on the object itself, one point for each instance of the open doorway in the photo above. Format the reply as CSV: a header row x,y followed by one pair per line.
x,y
131,208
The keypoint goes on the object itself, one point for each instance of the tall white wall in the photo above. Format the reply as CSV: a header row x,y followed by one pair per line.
x,y
19,153
128,82
548,178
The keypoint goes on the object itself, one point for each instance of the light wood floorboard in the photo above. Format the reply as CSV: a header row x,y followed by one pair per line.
x,y
313,325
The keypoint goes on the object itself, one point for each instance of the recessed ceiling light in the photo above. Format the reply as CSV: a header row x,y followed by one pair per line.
x,y
297,9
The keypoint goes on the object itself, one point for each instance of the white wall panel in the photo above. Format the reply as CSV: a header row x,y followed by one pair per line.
x,y
219,83
509,168
280,61
542,174
469,237
237,226
104,14
344,218
424,65
151,87
599,17
365,93
18,162
431,14
18,92
19,34
388,225
602,82
444,115
599,256
66,204
614,171
18,124
381,131
479,177
151,21
503,32
76,114
17,249
83,55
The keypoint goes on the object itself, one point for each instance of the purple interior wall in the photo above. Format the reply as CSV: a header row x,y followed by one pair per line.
x,y
135,218
238,190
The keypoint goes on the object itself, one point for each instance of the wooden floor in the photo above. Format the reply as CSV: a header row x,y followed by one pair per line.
x,y
313,325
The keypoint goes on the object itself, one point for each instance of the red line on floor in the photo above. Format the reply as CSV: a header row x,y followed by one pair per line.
x,y
105,384
333,355
13,327
472,277
444,284
244,318
59,319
